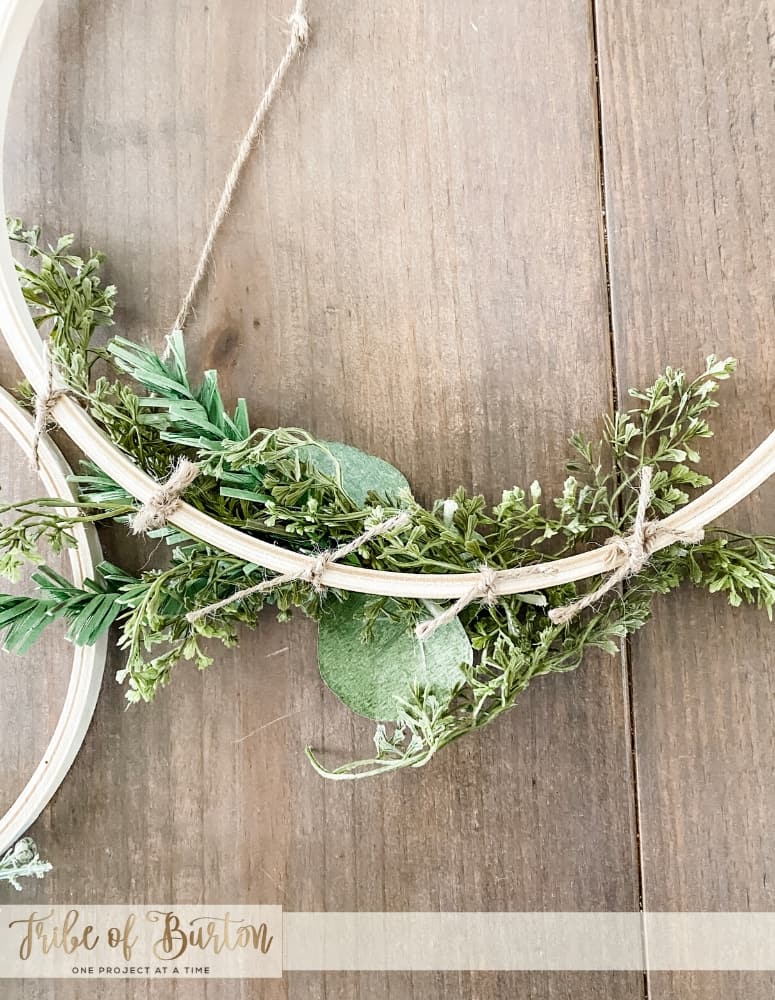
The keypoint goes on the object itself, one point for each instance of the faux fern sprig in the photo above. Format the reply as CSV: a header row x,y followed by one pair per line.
x,y
89,610
185,417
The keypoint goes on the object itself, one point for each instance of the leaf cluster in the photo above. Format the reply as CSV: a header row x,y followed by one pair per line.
x,y
67,298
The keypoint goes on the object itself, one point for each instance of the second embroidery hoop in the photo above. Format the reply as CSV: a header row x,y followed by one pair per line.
x,y
88,662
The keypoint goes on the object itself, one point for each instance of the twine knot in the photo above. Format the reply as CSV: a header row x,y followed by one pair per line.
x,y
484,591
299,25
163,504
314,575
637,547
44,404
487,580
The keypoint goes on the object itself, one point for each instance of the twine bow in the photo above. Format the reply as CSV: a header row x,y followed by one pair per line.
x,y
637,547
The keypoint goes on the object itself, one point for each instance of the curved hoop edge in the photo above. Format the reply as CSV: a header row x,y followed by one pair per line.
x,y
16,19
88,663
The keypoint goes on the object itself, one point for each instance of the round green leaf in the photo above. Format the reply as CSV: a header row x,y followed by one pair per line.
x,y
370,677
358,472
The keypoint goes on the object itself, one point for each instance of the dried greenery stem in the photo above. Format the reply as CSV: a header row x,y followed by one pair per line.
x,y
286,486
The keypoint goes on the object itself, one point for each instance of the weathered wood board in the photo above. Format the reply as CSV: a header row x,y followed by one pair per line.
x,y
416,264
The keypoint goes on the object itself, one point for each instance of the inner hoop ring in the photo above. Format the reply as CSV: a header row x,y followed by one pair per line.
x,y
16,21
88,661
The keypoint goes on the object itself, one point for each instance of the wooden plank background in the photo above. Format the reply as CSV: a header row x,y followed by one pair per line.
x,y
689,133
417,263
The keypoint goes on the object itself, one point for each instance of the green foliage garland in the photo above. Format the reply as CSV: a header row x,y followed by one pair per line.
x,y
285,486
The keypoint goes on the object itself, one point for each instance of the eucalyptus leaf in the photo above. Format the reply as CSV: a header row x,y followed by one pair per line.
x,y
357,472
371,677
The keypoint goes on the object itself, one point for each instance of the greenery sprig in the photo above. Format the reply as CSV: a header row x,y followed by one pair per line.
x,y
22,861
286,486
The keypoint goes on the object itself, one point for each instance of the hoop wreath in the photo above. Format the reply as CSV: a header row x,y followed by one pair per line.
x,y
16,20
88,662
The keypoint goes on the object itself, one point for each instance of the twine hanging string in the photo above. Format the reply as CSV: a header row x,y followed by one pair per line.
x,y
44,403
163,504
299,36
312,573
482,591
637,547
158,509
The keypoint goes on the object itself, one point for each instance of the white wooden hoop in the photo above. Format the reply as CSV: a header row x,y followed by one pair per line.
x,y
88,662
16,20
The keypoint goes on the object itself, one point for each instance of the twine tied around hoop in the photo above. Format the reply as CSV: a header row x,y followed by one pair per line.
x,y
163,504
645,538
312,573
482,591
44,403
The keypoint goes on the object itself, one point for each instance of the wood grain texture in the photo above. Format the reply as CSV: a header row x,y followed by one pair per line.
x,y
689,131
414,265
34,686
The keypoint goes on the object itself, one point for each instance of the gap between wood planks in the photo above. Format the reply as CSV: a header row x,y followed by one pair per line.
x,y
626,646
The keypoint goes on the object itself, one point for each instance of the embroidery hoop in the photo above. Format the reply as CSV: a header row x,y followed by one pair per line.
x,y
16,21
88,662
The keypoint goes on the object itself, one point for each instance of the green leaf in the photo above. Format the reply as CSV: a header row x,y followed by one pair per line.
x,y
357,472
90,610
371,678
